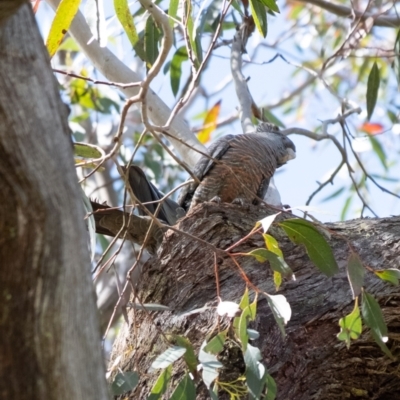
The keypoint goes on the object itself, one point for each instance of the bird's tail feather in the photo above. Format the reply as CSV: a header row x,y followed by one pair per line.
x,y
146,192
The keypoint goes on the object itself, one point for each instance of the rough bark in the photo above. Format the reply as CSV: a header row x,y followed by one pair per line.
x,y
310,363
49,329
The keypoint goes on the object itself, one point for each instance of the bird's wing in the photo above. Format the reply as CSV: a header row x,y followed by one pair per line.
x,y
146,192
215,152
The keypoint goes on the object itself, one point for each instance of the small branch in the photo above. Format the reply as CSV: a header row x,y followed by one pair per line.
x,y
389,21
97,82
242,90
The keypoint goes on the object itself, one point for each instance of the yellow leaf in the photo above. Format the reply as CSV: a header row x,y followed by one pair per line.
x,y
210,123
65,13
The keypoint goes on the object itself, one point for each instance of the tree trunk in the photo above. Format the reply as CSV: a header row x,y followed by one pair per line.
x,y
49,329
310,363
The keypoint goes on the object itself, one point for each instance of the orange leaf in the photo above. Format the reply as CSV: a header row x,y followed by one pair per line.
x,y
372,128
35,6
210,123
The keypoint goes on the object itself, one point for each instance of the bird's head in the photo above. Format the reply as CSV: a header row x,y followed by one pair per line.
x,y
286,148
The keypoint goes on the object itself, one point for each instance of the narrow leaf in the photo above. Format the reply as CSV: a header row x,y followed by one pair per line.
x,y
126,20
151,36
124,382
277,280
272,245
304,232
372,89
350,325
86,150
391,275
168,357
254,379
271,4
65,13
373,318
172,11
259,15
161,384
355,274
244,301
189,356
372,128
280,309
271,388
176,68
216,344
210,123
379,151
185,390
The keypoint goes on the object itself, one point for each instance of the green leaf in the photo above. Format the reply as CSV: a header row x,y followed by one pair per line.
x,y
191,32
126,20
86,150
168,357
333,195
161,384
185,390
373,318
277,280
355,274
391,275
216,344
271,4
372,89
189,357
244,302
151,36
242,328
124,382
267,114
277,263
176,68
346,207
173,11
65,13
303,232
280,309
271,388
350,325
254,370
259,15
379,151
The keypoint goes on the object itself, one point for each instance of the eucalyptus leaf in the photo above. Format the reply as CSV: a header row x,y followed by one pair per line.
x,y
169,356
304,232
372,89
355,274
124,382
